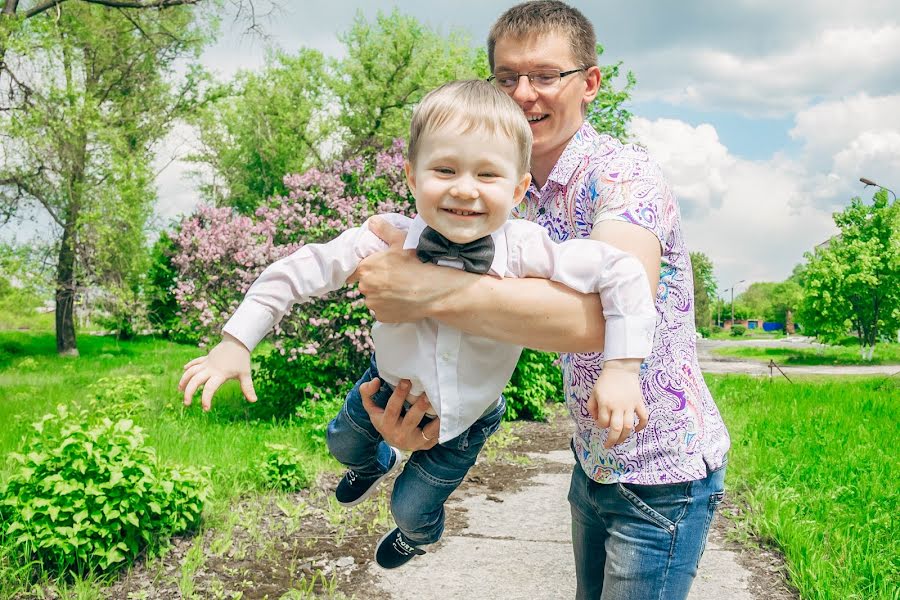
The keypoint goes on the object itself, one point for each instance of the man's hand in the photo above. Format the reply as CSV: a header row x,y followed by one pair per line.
x,y
230,359
397,286
616,398
403,433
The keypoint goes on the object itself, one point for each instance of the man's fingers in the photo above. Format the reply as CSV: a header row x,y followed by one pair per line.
x,y
395,402
386,232
643,417
212,384
195,382
432,431
247,387
414,414
367,390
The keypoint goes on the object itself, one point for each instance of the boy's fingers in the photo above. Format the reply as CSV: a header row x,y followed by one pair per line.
x,y
386,232
212,384
192,385
188,374
603,417
643,417
247,387
196,361
593,408
615,430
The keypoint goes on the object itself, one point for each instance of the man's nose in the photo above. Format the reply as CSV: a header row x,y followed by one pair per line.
x,y
524,91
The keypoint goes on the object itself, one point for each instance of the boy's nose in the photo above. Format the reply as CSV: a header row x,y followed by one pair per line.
x,y
464,190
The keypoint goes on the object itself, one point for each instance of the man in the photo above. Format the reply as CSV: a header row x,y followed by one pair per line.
x,y
641,502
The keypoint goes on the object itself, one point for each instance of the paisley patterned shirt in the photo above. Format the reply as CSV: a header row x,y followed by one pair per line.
x,y
596,179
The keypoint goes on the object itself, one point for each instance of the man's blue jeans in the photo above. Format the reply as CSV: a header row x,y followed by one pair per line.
x,y
640,542
428,478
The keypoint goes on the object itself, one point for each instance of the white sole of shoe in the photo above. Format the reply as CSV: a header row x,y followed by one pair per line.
x,y
374,487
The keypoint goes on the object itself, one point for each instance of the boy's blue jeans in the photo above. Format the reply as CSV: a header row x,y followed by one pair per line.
x,y
428,478
640,542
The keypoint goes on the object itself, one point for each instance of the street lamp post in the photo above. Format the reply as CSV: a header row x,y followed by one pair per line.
x,y
732,298
869,182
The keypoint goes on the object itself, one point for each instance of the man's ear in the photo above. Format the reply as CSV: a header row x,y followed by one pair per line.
x,y
592,78
410,177
521,188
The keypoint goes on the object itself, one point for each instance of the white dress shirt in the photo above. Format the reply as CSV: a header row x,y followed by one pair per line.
x,y
462,374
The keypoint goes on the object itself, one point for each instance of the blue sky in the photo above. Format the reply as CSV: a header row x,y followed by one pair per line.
x,y
764,114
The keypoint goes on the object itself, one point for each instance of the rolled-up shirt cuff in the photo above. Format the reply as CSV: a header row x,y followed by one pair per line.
x,y
628,337
249,324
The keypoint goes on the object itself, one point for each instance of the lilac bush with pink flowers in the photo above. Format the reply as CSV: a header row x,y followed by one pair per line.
x,y
218,253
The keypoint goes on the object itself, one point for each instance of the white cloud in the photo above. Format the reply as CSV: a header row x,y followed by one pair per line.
x,y
754,219
828,64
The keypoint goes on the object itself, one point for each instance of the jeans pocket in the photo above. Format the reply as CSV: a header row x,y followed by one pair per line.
x,y
715,500
627,492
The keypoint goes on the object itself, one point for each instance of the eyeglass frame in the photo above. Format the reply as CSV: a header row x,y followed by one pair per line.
x,y
530,74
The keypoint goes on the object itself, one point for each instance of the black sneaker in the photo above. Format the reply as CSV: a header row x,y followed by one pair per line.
x,y
353,488
395,550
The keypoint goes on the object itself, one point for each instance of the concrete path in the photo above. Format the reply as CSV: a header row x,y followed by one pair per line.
x,y
517,547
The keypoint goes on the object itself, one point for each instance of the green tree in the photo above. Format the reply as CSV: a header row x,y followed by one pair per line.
x,y
705,288
607,113
86,91
262,126
853,284
390,65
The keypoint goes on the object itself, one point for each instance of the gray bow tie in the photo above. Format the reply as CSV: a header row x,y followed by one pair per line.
x,y
476,256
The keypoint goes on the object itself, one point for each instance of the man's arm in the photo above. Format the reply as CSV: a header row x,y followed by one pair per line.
x,y
535,313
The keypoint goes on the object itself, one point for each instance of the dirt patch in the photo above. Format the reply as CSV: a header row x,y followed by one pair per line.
x,y
304,545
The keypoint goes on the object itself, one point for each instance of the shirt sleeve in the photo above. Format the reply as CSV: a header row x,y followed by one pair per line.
x,y
313,270
590,266
633,189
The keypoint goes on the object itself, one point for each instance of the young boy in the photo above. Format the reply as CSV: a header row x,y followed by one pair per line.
x,y
468,166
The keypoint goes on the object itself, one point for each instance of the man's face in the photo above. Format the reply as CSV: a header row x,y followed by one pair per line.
x,y
554,115
466,184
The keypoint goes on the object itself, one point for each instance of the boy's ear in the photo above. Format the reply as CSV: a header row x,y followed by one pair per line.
x,y
410,177
521,188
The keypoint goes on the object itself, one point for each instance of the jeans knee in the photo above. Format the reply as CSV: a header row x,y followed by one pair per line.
x,y
416,523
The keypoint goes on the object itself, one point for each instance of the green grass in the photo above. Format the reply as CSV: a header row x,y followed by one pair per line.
x,y
885,354
816,463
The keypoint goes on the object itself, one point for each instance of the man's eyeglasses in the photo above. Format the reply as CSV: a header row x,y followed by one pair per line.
x,y
543,79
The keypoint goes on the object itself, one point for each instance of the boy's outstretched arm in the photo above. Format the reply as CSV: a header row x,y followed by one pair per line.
x,y
229,359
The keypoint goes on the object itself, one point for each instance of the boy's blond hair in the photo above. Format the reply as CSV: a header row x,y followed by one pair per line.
x,y
542,17
472,105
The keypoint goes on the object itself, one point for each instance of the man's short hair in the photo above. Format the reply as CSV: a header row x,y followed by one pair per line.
x,y
542,17
472,105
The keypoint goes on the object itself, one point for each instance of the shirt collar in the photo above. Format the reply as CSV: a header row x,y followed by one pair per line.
x,y
577,148
498,266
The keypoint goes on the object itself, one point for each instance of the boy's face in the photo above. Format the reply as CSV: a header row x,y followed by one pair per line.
x,y
554,115
466,184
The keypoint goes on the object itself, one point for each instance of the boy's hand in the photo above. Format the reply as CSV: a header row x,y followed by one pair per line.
x,y
616,398
230,359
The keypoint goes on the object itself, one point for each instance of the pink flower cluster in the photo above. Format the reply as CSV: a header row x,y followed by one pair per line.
x,y
219,253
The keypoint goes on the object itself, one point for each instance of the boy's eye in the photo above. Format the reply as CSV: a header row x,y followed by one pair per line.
x,y
488,175
444,170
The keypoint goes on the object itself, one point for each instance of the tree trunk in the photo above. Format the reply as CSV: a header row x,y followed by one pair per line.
x,y
65,291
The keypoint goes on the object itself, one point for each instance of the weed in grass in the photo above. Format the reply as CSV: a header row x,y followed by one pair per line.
x,y
317,586
194,559
497,445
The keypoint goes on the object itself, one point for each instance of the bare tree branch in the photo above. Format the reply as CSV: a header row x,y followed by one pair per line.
x,y
112,4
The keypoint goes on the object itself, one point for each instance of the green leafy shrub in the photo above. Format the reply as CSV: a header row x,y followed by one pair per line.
x,y
738,330
119,397
704,331
536,380
86,495
283,469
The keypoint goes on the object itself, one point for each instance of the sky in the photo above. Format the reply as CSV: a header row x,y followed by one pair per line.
x,y
763,114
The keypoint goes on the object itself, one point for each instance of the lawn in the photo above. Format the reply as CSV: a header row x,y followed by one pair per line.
x,y
885,354
816,465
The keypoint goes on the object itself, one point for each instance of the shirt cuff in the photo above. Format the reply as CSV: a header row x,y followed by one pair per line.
x,y
249,324
628,337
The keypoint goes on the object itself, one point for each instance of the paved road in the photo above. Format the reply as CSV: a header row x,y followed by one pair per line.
x,y
714,363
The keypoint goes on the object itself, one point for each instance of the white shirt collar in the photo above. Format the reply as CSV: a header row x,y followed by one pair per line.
x,y
498,266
